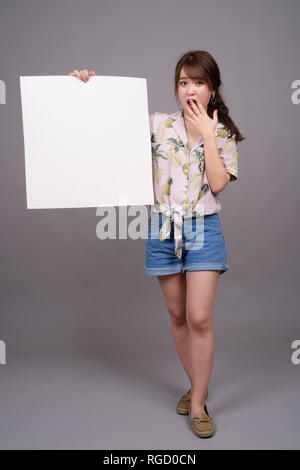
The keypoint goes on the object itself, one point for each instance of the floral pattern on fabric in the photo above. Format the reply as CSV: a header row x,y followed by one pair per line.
x,y
180,185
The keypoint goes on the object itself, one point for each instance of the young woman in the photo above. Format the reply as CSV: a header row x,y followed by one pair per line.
x,y
194,156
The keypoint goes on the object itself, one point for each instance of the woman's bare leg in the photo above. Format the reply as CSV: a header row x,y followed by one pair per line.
x,y
200,296
174,290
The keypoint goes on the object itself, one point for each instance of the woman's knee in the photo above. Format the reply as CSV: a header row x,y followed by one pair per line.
x,y
199,321
177,315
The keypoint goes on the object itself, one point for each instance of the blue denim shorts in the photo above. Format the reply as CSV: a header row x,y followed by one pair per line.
x,y
206,250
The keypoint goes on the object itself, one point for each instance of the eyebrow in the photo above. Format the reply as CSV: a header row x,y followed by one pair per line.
x,y
197,78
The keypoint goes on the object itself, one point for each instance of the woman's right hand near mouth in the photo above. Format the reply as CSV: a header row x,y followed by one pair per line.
x,y
83,75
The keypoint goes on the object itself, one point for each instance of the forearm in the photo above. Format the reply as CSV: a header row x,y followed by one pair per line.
x,y
216,173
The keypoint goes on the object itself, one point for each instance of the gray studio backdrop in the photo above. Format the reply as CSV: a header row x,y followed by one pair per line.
x,y
90,359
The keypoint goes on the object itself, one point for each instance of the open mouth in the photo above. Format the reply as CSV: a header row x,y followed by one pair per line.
x,y
189,102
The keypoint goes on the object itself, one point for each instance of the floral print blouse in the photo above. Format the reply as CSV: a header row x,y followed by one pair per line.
x,y
181,188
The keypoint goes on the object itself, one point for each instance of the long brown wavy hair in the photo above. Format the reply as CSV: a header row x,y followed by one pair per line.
x,y
202,66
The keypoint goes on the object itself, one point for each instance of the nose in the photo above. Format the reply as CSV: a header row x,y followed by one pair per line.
x,y
190,91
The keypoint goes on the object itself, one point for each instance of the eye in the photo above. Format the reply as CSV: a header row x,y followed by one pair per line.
x,y
183,81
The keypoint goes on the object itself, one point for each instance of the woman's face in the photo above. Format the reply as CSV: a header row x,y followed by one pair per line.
x,y
192,89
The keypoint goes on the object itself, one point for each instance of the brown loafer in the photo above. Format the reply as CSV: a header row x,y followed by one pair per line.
x,y
183,406
203,423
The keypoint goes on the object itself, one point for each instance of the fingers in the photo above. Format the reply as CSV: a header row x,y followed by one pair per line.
x,y
74,73
196,107
83,75
188,110
201,107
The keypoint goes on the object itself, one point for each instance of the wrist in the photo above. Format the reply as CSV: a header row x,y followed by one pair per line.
x,y
208,136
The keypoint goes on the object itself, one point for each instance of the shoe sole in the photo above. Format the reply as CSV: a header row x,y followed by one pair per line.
x,y
204,435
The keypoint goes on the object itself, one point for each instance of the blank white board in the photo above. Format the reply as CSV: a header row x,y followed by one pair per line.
x,y
86,144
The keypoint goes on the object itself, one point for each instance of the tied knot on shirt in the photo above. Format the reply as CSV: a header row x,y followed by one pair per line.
x,y
172,214
176,214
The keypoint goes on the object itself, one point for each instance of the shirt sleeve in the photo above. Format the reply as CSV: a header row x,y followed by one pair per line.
x,y
229,155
